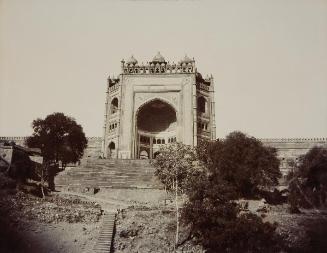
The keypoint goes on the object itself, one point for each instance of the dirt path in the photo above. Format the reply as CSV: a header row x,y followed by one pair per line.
x,y
106,205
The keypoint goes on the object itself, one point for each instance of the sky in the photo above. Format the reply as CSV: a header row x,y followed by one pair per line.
x,y
268,59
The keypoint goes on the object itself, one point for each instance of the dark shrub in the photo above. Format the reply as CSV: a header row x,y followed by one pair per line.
x,y
244,162
308,180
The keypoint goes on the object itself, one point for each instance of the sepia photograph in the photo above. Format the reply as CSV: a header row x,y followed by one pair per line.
x,y
163,126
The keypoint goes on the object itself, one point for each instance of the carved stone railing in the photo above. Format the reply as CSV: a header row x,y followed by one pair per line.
x,y
293,140
113,88
163,68
202,86
23,138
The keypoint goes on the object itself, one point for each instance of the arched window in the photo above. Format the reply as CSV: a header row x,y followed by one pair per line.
x,y
112,145
163,141
114,106
111,148
144,154
202,104
158,141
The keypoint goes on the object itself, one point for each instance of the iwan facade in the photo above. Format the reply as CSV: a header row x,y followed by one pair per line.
x,y
156,104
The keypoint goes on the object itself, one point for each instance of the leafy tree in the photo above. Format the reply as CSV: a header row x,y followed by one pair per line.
x,y
61,141
244,162
308,180
209,210
212,214
176,166
217,224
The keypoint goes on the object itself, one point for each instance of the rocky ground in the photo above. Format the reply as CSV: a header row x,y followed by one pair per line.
x,y
304,232
144,229
65,222
53,224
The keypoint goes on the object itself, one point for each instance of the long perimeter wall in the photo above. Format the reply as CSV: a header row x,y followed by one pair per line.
x,y
288,149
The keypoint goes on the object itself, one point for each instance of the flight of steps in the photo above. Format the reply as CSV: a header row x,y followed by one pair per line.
x,y
104,242
109,173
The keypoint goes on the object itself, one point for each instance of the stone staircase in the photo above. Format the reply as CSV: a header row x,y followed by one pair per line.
x,y
104,242
109,173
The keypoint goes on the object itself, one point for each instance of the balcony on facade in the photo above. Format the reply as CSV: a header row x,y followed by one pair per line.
x,y
113,84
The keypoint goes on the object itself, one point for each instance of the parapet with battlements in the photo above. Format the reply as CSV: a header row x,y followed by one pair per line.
x,y
288,149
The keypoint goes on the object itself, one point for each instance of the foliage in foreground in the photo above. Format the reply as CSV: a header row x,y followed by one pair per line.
x,y
61,141
308,180
212,184
176,167
218,225
242,161
177,163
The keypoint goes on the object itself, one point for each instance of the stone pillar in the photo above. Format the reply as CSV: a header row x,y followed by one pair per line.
x,y
195,111
213,115
103,148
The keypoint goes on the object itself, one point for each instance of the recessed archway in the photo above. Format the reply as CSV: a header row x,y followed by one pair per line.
x,y
111,149
144,154
114,106
156,116
202,104
155,120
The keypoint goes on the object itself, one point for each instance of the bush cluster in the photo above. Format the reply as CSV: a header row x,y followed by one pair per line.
x,y
213,177
308,180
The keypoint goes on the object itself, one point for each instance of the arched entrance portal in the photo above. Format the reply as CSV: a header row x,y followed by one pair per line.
x,y
156,125
111,150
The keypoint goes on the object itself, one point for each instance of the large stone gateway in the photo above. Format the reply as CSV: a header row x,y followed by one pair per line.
x,y
155,104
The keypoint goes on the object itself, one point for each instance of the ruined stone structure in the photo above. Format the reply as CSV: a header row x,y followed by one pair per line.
x,y
152,104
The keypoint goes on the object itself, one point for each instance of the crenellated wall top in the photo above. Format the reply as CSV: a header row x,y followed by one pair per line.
x,y
22,138
158,68
13,138
293,140
290,140
158,65
320,139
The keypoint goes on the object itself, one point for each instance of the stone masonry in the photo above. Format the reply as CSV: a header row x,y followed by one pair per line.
x,y
156,103
287,149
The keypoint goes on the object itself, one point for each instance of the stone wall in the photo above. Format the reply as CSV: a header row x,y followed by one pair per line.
x,y
93,149
288,149
94,145
19,140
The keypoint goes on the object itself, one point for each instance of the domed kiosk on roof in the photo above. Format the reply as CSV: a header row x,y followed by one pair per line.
x,y
158,58
186,59
132,60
